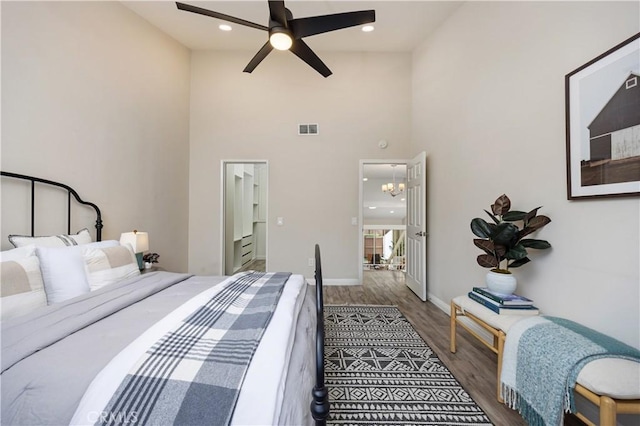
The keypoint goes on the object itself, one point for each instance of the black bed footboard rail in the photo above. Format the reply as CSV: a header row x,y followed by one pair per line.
x,y
320,402
70,192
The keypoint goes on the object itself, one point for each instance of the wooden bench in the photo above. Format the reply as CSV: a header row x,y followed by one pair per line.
x,y
603,382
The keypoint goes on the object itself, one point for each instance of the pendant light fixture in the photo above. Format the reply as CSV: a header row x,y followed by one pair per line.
x,y
393,188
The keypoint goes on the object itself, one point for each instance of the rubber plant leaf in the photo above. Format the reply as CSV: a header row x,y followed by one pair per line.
x,y
519,262
514,216
500,251
517,252
501,205
487,261
495,219
505,234
481,228
538,222
534,224
535,244
485,245
531,215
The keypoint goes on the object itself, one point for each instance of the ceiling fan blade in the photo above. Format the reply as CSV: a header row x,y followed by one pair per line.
x,y
304,52
262,53
304,27
277,12
228,18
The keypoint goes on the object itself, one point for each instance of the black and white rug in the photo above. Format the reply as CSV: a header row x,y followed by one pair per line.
x,y
379,371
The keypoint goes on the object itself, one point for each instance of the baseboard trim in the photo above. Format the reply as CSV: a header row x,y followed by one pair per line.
x,y
446,308
335,281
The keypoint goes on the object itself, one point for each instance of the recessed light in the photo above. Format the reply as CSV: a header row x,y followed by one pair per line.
x,y
403,199
368,28
372,207
391,211
224,27
365,179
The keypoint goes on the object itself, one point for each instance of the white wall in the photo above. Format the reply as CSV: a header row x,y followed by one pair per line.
x,y
488,108
313,180
97,98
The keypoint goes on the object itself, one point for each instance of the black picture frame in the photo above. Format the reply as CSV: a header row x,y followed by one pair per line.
x,y
602,107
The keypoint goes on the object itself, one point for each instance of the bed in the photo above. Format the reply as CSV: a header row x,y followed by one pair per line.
x,y
159,347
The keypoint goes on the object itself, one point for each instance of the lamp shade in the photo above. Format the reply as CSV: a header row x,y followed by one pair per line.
x,y
139,240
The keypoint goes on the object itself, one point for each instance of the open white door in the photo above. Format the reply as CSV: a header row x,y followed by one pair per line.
x,y
416,226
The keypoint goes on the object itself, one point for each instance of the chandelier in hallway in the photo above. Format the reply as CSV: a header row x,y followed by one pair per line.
x,y
393,188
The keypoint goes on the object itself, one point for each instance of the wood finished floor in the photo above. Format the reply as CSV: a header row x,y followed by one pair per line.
x,y
473,364
255,265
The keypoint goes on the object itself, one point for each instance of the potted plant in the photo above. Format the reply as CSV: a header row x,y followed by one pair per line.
x,y
149,259
504,244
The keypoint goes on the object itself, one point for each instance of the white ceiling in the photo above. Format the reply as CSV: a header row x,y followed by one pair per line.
x,y
400,25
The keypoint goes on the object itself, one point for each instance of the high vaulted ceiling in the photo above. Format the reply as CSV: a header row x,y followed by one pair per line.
x,y
400,25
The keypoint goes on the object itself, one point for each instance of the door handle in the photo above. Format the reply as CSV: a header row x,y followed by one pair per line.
x,y
421,234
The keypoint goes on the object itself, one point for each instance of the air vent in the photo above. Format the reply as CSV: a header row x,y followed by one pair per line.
x,y
307,129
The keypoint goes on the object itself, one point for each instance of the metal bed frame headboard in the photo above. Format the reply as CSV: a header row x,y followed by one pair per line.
x,y
70,192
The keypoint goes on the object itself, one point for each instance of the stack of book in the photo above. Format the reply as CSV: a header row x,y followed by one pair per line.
x,y
503,304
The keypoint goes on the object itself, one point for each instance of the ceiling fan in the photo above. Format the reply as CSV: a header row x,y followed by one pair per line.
x,y
286,33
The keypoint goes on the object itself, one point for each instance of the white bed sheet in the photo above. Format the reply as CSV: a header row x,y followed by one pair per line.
x,y
264,385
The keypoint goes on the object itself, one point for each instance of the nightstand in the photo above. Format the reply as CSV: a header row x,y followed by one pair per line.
x,y
152,269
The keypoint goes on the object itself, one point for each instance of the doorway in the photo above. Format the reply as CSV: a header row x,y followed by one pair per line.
x,y
382,216
245,194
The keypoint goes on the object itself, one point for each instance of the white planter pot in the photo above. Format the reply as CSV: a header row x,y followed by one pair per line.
x,y
501,283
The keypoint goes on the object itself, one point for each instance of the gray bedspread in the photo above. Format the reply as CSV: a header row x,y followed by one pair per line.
x,y
43,383
30,333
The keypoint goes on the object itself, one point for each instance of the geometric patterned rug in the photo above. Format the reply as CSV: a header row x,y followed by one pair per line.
x,y
379,371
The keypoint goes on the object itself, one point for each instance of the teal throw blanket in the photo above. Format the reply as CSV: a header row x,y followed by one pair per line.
x,y
546,354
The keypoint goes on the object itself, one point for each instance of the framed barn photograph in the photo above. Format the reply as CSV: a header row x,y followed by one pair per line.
x,y
603,124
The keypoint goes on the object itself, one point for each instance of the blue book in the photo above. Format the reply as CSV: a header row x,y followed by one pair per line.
x,y
503,310
503,299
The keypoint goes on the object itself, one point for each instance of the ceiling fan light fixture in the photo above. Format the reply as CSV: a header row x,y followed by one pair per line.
x,y
283,30
280,39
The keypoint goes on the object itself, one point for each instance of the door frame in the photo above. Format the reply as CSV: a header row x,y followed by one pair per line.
x,y
223,209
361,201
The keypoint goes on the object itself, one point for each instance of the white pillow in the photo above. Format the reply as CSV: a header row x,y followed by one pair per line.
x,y
82,237
21,284
105,266
18,253
63,270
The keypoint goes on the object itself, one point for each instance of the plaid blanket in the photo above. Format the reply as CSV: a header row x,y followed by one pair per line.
x,y
193,374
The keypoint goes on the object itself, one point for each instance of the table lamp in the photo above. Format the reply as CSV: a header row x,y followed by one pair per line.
x,y
139,241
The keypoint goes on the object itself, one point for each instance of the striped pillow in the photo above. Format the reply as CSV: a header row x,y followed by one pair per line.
x,y
82,237
105,266
21,284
